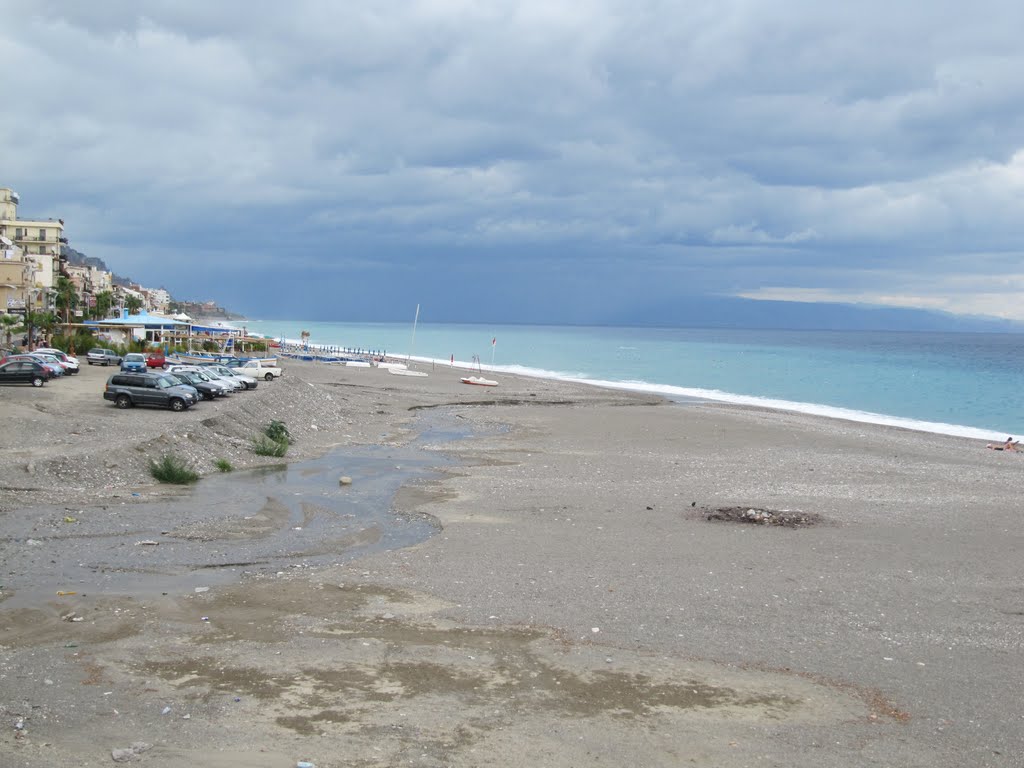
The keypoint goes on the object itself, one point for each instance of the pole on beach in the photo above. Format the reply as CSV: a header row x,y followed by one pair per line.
x,y
494,342
415,320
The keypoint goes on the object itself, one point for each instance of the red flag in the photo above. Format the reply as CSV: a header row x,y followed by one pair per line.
x,y
494,341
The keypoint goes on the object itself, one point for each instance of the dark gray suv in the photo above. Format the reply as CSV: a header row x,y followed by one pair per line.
x,y
128,389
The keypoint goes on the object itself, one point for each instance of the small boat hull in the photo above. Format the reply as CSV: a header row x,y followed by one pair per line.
x,y
479,381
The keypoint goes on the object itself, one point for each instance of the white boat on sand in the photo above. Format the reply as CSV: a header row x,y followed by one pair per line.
x,y
479,381
406,372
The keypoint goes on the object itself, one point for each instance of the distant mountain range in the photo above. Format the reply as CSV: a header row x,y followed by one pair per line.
x,y
733,312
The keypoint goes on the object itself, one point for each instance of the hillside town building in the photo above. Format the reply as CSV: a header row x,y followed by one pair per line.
x,y
32,261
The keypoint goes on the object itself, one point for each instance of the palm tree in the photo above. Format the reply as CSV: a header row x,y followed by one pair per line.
x,y
40,321
67,297
104,301
9,322
133,304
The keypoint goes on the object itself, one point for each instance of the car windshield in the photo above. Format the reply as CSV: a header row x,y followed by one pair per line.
x,y
135,358
163,382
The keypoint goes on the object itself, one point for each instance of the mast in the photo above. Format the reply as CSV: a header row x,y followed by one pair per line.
x,y
412,344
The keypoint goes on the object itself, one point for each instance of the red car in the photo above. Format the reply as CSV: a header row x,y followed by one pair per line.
x,y
155,359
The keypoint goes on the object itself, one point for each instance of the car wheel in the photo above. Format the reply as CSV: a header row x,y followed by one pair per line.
x,y
208,396
268,377
177,404
123,401
37,381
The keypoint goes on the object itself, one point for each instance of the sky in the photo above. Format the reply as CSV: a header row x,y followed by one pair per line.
x,y
541,160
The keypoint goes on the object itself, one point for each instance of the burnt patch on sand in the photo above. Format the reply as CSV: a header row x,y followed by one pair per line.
x,y
782,518
491,402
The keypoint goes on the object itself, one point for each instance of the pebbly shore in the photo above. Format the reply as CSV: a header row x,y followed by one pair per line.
x,y
599,582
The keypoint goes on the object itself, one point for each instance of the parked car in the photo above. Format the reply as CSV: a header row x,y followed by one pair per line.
x,y
234,384
70,362
24,372
186,385
134,361
259,370
58,367
128,389
49,362
100,356
207,388
231,373
156,359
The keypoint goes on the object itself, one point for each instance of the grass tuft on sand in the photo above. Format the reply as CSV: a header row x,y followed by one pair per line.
x,y
274,441
171,469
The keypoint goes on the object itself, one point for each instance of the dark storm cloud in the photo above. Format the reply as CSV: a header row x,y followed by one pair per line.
x,y
774,149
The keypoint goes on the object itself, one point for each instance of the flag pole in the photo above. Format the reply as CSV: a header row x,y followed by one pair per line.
x,y
412,344
494,342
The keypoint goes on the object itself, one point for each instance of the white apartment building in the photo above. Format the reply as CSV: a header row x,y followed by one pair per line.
x,y
39,240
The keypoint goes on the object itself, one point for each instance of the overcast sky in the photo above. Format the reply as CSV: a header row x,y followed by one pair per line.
x,y
348,160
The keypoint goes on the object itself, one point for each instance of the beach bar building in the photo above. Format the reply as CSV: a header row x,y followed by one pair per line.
x,y
158,330
140,327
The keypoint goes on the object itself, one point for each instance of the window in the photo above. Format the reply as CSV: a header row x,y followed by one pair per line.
x,y
42,233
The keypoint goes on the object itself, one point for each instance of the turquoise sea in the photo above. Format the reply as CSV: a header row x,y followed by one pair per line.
x,y
964,384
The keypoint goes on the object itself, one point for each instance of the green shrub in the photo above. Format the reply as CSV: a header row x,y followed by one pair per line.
x,y
278,432
264,446
171,469
223,465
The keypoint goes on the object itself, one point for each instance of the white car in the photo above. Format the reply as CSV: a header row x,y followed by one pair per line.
x,y
232,373
258,370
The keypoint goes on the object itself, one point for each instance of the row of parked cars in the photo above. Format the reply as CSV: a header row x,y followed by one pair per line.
x,y
178,387
37,367
105,357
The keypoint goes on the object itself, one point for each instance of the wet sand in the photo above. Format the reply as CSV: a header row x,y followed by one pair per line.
x,y
564,600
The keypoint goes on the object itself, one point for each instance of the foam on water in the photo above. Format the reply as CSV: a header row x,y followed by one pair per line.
x,y
965,385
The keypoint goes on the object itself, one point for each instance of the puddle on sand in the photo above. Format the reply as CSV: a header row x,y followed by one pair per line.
x,y
260,520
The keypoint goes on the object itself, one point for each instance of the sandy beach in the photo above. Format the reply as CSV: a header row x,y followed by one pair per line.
x,y
523,575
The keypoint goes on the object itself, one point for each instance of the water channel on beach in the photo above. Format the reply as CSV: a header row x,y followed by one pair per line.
x,y
246,522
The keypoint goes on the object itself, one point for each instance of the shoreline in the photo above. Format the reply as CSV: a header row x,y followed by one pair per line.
x,y
934,421
575,599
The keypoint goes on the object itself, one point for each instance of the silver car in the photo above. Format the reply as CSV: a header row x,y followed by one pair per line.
x,y
232,374
213,375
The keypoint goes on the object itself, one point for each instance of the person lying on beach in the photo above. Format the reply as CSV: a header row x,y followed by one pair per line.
x,y
1009,445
